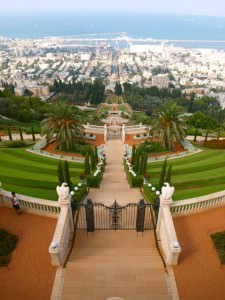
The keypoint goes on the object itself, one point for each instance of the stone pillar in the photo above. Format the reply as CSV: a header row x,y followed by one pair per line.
x,y
165,227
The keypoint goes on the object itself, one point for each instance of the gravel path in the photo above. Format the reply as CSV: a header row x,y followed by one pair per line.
x,y
29,275
199,275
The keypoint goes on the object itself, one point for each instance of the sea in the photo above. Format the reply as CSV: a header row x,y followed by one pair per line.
x,y
190,31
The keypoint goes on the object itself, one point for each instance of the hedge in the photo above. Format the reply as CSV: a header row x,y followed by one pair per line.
x,y
94,181
134,181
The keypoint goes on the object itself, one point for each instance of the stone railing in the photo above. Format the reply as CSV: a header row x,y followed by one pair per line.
x,y
64,231
166,231
61,243
57,156
32,205
94,129
195,205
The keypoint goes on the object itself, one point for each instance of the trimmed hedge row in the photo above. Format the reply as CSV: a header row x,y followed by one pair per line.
x,y
134,181
94,181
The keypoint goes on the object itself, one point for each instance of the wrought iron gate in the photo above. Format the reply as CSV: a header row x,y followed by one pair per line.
x,y
133,216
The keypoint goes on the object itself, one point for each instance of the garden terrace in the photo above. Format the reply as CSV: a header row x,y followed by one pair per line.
x,y
32,175
194,175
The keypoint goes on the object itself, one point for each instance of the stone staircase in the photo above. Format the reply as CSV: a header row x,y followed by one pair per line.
x,y
114,265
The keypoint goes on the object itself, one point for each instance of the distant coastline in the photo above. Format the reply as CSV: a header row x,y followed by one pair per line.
x,y
186,30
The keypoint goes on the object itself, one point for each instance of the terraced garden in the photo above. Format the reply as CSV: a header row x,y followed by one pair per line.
x,y
195,175
32,175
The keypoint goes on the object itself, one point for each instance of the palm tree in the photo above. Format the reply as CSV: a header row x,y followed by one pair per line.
x,y
170,125
63,125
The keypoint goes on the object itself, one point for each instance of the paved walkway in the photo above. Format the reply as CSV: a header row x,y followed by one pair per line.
x,y
107,263
110,264
114,185
199,275
30,274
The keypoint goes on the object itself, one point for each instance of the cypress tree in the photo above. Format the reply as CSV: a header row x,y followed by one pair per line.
x,y
10,134
133,154
87,165
145,163
162,175
168,174
67,174
140,166
60,173
96,154
93,161
136,161
21,133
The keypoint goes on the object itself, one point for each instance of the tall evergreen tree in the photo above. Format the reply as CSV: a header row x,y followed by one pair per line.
x,y
133,154
136,161
162,175
93,161
168,174
67,174
96,154
60,173
87,165
145,163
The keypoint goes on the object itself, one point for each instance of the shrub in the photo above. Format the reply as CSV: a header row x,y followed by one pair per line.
x,y
36,130
15,144
219,242
94,181
7,245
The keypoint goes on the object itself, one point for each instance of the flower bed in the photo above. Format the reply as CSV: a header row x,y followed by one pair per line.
x,y
7,245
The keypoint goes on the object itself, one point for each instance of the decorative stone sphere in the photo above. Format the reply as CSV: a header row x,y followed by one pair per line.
x,y
79,184
153,188
72,193
149,184
76,188
157,193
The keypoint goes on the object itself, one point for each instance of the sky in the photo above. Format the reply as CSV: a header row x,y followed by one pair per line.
x,y
213,7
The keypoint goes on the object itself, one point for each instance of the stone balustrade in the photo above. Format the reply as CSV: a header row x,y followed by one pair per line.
x,y
195,205
64,231
60,245
165,227
32,205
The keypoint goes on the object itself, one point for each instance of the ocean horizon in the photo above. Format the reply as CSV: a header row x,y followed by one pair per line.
x,y
183,29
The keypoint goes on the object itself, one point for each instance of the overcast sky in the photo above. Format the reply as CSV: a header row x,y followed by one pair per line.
x,y
176,6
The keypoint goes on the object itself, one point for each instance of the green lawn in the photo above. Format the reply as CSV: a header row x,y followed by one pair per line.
x,y
194,175
32,175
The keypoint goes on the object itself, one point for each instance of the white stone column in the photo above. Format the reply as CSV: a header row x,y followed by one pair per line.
x,y
165,227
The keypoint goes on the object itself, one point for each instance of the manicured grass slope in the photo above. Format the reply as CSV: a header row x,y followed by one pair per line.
x,y
195,175
32,175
